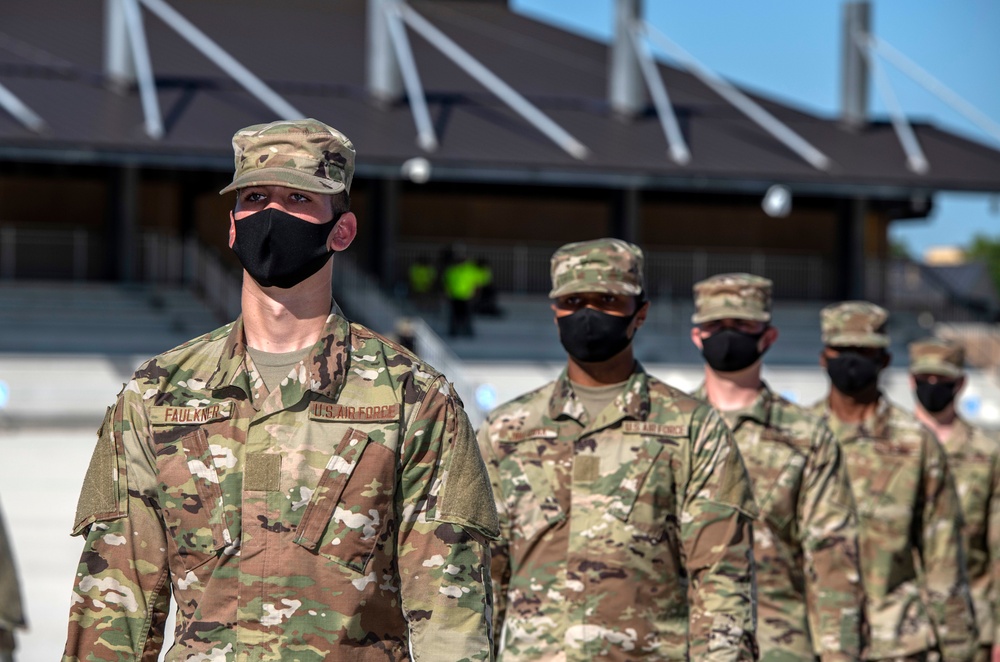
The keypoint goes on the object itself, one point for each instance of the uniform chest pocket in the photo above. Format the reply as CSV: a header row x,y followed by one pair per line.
x,y
190,497
347,517
891,489
642,490
529,485
775,466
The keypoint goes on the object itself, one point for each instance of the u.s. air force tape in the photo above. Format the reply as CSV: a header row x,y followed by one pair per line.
x,y
328,411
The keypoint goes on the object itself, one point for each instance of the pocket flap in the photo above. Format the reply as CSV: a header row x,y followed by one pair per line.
x,y
626,491
324,499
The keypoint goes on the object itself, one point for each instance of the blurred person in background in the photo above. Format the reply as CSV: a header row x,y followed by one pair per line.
x,y
810,602
460,281
909,516
937,377
11,608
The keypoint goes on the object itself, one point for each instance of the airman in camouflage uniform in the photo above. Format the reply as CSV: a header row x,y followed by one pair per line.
x,y
337,511
937,370
913,566
626,514
810,602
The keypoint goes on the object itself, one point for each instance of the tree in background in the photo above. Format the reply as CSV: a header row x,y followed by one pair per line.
x,y
986,249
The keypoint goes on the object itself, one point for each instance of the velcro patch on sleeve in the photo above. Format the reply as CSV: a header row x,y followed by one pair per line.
x,y
466,496
328,411
99,496
170,415
654,429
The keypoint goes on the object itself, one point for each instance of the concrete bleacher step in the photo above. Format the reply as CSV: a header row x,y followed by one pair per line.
x,y
100,318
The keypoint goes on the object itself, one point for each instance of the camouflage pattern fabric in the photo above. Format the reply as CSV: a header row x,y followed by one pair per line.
x,y
935,356
974,460
11,609
910,518
302,154
732,296
345,515
810,600
602,265
628,537
854,324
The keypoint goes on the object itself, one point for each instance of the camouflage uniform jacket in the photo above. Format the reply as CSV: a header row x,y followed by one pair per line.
x,y
11,610
810,602
910,536
626,538
974,459
345,515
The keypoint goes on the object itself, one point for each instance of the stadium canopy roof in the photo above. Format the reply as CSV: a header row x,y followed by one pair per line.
x,y
312,53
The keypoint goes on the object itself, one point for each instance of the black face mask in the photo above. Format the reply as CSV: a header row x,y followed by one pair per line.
x,y
281,250
852,372
935,397
592,336
730,350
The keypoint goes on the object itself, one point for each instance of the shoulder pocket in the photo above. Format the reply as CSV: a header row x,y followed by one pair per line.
x,y
348,510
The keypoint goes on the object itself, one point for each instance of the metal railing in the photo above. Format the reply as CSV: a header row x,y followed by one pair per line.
x,y
29,253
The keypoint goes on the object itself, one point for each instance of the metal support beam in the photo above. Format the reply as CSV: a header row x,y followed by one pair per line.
x,y
934,86
625,93
143,68
426,137
856,22
119,69
204,44
16,108
915,159
464,60
385,81
742,102
678,148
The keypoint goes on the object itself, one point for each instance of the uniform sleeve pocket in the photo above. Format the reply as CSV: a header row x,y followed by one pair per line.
x,y
347,512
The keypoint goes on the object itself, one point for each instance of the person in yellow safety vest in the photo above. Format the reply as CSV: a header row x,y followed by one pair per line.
x,y
461,282
422,277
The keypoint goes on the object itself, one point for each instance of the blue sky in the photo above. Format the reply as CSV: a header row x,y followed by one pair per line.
x,y
790,49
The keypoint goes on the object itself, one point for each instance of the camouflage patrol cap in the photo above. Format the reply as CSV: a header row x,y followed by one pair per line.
x,y
301,154
935,356
732,296
602,265
854,324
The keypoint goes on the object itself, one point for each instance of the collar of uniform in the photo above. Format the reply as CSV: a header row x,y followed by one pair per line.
x,y
631,403
961,433
326,364
759,410
874,426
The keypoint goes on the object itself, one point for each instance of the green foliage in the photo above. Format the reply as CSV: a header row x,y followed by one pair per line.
x,y
986,249
899,248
